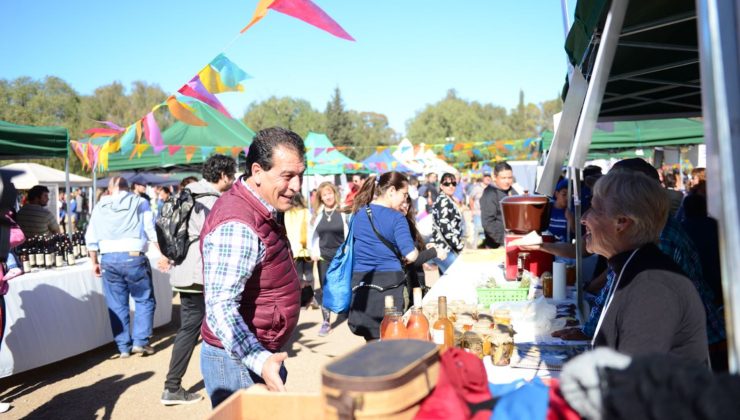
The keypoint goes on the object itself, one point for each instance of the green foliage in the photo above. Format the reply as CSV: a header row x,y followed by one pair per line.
x,y
338,121
294,114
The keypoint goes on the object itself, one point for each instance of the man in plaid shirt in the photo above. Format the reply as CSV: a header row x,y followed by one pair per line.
x,y
251,287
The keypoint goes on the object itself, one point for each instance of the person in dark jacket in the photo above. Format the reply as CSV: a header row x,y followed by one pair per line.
x,y
490,208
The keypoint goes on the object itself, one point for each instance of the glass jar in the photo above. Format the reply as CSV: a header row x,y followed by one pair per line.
x,y
484,331
502,345
502,317
472,343
547,284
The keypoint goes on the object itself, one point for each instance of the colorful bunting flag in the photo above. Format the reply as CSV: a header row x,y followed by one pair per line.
x,y
304,10
172,149
189,152
183,112
152,133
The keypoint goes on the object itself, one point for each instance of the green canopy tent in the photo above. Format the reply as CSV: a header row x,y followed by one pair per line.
x,y
221,131
322,157
622,135
28,142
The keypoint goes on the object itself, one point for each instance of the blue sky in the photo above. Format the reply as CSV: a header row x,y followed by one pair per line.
x,y
408,52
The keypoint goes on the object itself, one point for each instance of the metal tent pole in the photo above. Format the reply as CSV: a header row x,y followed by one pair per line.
x,y
719,50
66,192
590,114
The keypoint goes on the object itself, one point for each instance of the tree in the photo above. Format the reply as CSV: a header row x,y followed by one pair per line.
x,y
338,121
369,130
453,117
294,114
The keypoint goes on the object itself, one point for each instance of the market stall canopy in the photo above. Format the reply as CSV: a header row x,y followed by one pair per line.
x,y
27,142
36,174
406,155
655,73
185,143
142,178
639,134
323,158
384,161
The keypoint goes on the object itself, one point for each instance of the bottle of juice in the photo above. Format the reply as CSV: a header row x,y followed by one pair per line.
x,y
418,325
442,331
391,327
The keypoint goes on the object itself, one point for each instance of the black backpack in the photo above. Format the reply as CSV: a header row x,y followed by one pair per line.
x,y
172,225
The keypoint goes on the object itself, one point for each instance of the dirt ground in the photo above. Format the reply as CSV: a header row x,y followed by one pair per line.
x,y
99,385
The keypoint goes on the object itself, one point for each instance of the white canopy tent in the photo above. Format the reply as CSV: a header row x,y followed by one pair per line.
x,y
36,174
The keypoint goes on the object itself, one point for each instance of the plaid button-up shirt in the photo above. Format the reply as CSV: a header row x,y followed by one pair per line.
x,y
230,254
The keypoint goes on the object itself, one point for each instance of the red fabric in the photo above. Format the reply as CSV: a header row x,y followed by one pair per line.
x,y
270,302
462,380
558,408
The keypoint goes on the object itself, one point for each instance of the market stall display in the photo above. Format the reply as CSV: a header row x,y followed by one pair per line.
x,y
56,313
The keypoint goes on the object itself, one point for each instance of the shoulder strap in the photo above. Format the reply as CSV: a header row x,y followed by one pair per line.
x,y
382,239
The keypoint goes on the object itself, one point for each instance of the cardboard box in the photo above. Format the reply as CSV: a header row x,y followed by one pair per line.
x,y
259,403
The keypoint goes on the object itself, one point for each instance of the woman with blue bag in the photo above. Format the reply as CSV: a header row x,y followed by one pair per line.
x,y
328,227
382,246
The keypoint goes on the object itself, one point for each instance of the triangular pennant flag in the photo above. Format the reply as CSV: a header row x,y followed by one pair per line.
x,y
138,131
235,151
206,151
195,89
140,149
246,151
152,133
103,156
221,150
183,112
127,139
112,125
317,151
230,73
189,152
172,149
211,80
304,10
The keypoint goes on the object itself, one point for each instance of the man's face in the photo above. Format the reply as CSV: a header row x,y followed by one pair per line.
x,y
504,179
139,189
278,185
44,199
561,198
487,180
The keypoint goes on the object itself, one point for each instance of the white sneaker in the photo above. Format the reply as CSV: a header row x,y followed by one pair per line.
x,y
4,407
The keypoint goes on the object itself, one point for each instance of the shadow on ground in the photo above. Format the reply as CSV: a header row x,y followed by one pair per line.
x,y
24,383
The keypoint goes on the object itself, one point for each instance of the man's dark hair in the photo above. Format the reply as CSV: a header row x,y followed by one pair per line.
x,y
500,167
591,170
264,144
637,165
218,165
36,192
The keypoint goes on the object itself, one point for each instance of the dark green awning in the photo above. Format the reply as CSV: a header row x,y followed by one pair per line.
x,y
26,142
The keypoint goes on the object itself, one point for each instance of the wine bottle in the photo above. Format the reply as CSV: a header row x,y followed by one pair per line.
x,y
59,257
418,325
442,332
24,260
48,255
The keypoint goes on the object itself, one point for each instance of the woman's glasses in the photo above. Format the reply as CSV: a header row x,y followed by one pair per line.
x,y
451,183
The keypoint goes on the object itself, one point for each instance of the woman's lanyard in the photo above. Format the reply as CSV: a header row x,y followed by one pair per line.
x,y
610,296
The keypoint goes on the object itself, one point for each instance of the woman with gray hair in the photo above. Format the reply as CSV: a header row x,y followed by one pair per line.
x,y
651,307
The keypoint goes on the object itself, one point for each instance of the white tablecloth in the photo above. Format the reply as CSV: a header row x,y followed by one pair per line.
x,y
459,283
59,313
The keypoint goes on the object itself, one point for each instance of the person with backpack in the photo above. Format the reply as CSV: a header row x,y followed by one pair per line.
x,y
186,274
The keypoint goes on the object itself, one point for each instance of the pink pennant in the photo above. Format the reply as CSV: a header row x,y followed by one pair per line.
x,y
195,89
152,133
317,151
113,126
312,14
173,149
103,131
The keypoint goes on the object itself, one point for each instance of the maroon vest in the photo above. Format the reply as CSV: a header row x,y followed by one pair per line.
x,y
270,302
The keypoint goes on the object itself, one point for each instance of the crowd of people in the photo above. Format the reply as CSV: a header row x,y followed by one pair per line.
x,y
257,252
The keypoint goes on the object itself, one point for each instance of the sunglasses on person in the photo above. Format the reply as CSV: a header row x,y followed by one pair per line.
x,y
450,183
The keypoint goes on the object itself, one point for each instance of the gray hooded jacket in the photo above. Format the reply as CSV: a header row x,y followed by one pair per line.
x,y
190,271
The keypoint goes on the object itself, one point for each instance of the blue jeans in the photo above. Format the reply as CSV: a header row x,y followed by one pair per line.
x,y
224,374
446,263
125,275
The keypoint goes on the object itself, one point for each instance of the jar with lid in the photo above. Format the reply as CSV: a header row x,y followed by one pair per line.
x,y
502,345
484,329
547,284
472,343
502,316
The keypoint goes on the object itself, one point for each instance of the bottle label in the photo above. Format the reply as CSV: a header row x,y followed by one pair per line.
x,y
438,336
26,266
59,261
83,251
70,259
32,259
49,260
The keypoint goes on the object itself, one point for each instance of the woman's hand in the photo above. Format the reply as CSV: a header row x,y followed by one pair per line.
x,y
441,253
163,264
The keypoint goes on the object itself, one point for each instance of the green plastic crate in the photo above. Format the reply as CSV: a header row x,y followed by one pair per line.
x,y
486,296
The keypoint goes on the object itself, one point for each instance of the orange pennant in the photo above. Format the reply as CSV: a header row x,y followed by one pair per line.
x,y
189,152
183,112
